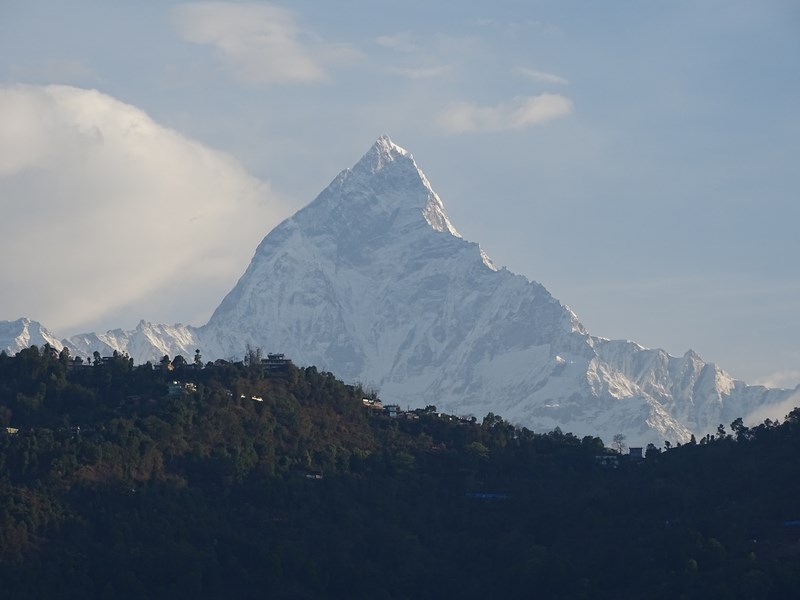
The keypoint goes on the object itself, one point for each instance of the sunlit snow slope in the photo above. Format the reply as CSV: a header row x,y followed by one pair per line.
x,y
372,282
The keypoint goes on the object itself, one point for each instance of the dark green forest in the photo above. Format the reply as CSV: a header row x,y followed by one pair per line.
x,y
234,480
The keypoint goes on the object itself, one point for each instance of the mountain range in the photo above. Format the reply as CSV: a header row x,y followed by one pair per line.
x,y
372,282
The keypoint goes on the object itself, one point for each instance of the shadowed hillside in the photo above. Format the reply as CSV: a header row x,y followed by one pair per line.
x,y
261,480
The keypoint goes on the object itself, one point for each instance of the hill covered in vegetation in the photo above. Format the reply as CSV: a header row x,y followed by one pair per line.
x,y
259,480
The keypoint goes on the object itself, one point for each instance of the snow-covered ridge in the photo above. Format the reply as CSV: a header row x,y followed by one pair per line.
x,y
373,282
399,165
23,333
147,342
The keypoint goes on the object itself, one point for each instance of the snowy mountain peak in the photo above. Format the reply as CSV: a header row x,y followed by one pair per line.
x,y
384,192
384,151
23,333
372,282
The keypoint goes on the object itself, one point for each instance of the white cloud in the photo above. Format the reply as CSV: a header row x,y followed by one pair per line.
x,y
780,379
542,76
523,112
108,214
774,412
261,43
426,57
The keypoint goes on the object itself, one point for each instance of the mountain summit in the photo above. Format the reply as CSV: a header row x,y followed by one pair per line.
x,y
385,189
386,167
370,248
372,282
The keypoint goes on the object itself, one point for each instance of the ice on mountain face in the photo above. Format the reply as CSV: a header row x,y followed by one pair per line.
x,y
359,284
372,282
23,333
391,171
383,152
147,342
487,261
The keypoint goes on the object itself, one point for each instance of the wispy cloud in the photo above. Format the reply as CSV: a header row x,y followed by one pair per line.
x,y
542,76
401,42
516,27
261,43
422,72
775,412
438,44
111,210
464,117
780,379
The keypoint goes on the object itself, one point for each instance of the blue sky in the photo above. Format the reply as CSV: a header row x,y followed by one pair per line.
x,y
640,159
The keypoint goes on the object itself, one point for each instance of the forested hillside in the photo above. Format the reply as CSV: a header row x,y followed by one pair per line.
x,y
240,480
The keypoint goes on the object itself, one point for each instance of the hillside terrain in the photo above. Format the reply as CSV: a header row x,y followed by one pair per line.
x,y
256,479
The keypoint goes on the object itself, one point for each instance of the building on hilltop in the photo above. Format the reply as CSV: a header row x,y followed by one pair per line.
x,y
276,364
392,410
178,388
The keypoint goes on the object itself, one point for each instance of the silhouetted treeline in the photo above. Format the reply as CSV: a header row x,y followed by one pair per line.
x,y
232,480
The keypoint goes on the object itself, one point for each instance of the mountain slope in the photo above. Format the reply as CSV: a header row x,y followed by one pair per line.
x,y
373,282
148,342
23,333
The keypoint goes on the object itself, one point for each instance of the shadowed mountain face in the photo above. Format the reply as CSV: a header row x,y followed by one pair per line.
x,y
372,282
